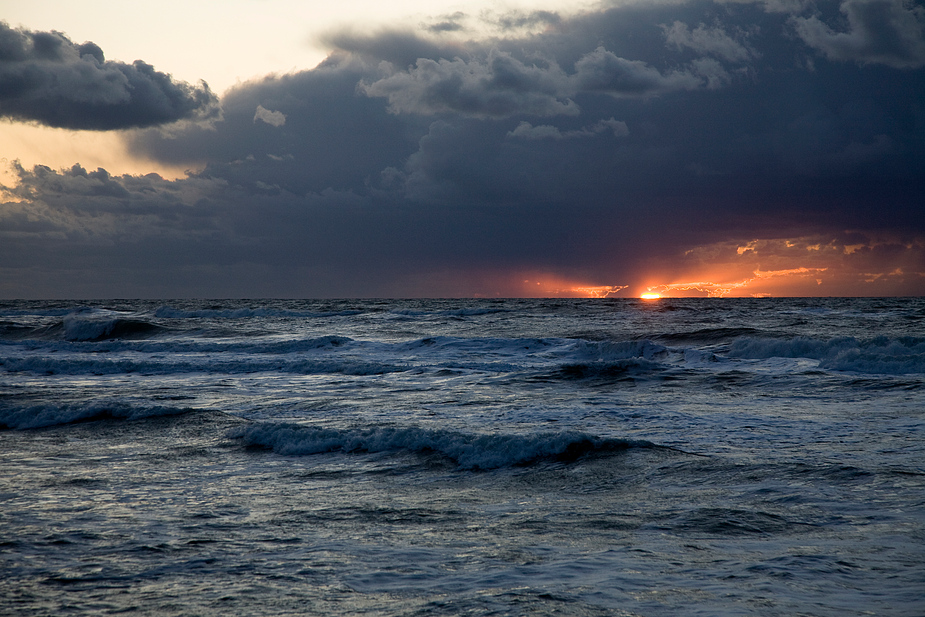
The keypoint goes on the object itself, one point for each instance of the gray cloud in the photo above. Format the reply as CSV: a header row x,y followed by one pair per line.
x,y
448,23
498,86
525,130
603,71
401,48
502,85
711,41
273,118
517,20
890,32
46,78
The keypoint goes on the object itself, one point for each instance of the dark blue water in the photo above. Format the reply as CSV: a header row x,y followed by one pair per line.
x,y
581,457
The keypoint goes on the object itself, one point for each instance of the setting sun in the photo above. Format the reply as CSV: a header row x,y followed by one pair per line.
x,y
650,295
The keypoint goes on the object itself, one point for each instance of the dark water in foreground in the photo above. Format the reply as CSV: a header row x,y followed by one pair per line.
x,y
576,457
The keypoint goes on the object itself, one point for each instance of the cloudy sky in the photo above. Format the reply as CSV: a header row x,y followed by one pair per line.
x,y
271,148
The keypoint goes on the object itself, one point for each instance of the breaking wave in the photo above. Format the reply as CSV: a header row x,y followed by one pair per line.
x,y
467,450
877,355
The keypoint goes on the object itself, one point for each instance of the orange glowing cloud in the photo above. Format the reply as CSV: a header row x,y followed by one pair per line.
x,y
720,290
851,265
600,291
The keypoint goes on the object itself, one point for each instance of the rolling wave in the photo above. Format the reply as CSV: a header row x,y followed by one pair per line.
x,y
467,450
45,415
77,329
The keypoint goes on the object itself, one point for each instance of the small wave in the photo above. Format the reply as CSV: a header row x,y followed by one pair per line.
x,y
167,312
38,312
461,312
477,345
618,369
609,351
39,416
723,521
878,355
69,365
189,345
709,335
474,312
468,451
14,331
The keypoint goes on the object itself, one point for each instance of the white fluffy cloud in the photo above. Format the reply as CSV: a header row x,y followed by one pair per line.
x,y
273,118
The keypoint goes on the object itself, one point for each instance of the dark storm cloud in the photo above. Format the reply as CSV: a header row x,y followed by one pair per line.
x,y
46,78
603,144
303,132
890,32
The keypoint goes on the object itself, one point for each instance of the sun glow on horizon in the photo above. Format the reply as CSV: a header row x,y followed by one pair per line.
x,y
650,295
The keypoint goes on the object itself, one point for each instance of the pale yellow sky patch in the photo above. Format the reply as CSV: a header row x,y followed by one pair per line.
x,y
222,43
32,144
232,41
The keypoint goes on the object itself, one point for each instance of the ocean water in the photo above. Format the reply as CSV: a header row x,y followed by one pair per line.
x,y
512,457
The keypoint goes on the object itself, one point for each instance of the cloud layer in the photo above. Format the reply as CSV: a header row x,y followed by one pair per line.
x,y
629,146
46,78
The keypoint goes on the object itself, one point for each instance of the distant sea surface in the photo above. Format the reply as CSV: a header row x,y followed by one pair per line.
x,y
511,457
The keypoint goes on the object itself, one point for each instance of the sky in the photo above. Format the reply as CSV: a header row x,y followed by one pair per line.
x,y
274,148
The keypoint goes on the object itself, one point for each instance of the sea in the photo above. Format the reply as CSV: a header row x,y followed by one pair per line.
x,y
697,456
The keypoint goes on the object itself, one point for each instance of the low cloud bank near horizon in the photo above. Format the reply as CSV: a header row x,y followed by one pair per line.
x,y
607,148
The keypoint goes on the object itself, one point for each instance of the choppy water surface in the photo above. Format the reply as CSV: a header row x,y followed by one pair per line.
x,y
678,457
